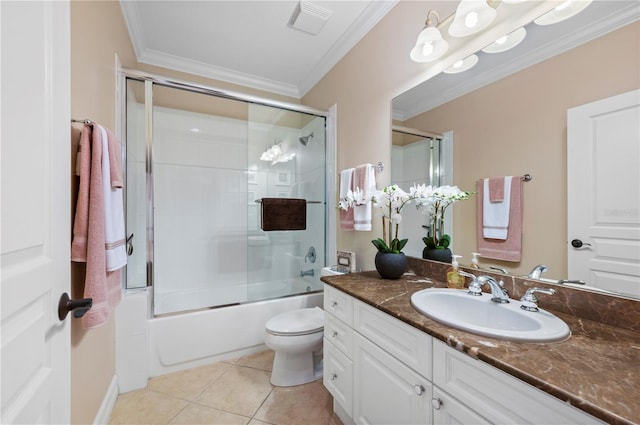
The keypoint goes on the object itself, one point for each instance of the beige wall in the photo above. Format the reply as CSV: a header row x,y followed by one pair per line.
x,y
364,82
518,125
362,85
98,34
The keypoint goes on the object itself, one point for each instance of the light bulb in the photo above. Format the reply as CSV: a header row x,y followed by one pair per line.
x,y
471,19
427,48
458,64
564,5
501,40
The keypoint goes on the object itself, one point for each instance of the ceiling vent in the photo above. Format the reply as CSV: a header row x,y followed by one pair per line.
x,y
309,17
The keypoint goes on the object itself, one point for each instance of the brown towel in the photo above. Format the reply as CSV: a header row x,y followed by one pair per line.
x,y
283,214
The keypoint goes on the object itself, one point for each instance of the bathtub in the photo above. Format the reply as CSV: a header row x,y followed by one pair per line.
x,y
185,340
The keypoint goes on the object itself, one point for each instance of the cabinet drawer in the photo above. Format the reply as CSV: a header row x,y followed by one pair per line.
x,y
339,304
406,343
339,334
338,376
496,395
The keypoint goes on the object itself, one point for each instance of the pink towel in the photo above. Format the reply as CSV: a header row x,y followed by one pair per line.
x,y
365,180
346,184
496,189
511,248
88,243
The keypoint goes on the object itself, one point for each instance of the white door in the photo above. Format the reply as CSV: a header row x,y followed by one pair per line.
x,y
35,205
603,192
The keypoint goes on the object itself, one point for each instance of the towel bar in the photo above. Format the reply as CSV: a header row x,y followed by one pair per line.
x,y
259,201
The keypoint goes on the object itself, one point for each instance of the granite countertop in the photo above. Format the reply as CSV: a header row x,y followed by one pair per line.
x,y
596,370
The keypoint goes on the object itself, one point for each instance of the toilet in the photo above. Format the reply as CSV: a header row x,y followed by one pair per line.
x,y
296,339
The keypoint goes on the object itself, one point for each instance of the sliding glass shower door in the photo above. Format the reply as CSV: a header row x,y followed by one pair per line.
x,y
194,211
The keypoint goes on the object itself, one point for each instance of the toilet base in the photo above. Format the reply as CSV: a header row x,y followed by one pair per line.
x,y
291,369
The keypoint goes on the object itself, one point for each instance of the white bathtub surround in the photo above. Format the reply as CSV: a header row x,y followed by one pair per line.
x,y
188,340
131,340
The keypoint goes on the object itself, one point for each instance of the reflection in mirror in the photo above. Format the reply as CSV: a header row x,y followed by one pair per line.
x,y
515,122
417,157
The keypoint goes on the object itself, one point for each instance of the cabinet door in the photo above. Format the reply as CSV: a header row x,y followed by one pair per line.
x,y
447,410
385,390
338,376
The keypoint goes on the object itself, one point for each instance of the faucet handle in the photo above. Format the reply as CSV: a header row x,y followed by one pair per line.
x,y
475,288
529,300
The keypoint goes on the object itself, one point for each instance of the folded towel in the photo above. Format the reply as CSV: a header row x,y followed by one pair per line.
x,y
495,216
115,249
346,184
365,180
88,243
496,189
283,214
511,248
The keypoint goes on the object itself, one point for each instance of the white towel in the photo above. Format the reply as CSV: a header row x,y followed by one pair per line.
x,y
365,180
114,230
346,185
495,215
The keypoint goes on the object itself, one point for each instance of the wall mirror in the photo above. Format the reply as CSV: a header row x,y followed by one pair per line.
x,y
503,124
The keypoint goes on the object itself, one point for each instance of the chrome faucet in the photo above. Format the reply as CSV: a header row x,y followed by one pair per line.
x,y
537,271
306,273
498,293
529,300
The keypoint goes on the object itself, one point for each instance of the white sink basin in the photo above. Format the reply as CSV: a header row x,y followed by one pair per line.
x,y
480,315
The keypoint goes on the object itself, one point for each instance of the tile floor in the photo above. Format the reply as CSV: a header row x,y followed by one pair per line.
x,y
231,392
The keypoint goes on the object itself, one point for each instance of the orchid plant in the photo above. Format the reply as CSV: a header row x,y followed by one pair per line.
x,y
434,201
390,201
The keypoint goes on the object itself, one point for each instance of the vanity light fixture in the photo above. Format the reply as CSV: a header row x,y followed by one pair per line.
x,y
563,12
430,45
472,16
462,65
507,42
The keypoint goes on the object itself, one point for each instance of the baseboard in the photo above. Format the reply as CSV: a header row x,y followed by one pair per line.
x,y
109,401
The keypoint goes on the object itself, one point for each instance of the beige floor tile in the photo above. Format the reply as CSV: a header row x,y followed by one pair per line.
x,y
262,360
308,404
241,390
257,422
195,414
188,384
145,407
335,420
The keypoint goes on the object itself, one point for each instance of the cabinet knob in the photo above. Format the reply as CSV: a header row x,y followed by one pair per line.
x,y
436,403
334,334
419,389
334,303
334,376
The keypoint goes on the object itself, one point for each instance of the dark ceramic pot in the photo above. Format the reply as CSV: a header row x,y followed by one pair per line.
x,y
391,266
442,255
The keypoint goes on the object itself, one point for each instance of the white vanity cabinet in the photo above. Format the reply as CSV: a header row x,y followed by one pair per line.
x,y
381,370
338,349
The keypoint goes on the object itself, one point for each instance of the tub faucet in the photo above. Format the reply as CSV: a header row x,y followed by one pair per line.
x,y
537,271
306,273
311,255
498,293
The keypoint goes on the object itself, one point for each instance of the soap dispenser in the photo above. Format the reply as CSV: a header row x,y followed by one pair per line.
x,y
474,260
454,279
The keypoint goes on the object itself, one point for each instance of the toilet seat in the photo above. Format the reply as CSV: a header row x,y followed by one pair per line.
x,y
298,322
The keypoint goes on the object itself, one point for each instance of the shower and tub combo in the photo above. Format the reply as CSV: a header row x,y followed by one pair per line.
x,y
205,274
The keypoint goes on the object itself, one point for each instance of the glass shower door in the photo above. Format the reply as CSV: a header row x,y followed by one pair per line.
x,y
286,159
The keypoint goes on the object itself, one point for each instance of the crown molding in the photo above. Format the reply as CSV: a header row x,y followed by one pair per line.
x,y
178,63
374,12
132,21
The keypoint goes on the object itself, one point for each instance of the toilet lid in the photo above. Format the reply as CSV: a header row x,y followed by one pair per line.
x,y
298,322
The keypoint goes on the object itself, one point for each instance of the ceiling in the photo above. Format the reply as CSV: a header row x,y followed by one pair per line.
x,y
252,43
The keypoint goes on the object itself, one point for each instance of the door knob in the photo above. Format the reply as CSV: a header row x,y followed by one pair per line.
x,y
79,306
577,243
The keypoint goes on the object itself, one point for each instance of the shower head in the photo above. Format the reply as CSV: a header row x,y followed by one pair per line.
x,y
304,140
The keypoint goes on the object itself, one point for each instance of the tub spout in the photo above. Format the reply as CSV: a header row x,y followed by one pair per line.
x,y
306,273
